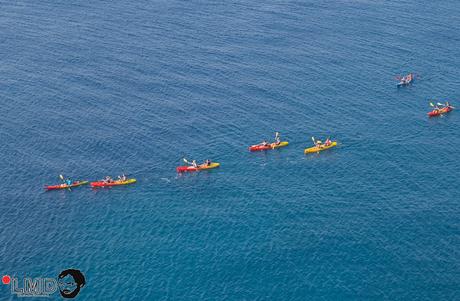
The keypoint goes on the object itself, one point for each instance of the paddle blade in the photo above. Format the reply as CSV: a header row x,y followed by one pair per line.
x,y
61,177
431,104
440,104
185,160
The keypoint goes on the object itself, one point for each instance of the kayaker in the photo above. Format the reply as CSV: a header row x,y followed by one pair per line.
x,y
319,143
68,182
122,178
108,179
264,143
328,142
277,138
194,164
205,163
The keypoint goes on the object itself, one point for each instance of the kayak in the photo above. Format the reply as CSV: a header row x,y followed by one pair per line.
x,y
406,81
65,186
439,112
200,167
114,183
316,149
258,147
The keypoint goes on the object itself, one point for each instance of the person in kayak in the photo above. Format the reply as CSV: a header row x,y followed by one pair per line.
x,y
328,142
122,178
263,143
206,163
277,138
108,179
319,144
68,182
193,163
405,79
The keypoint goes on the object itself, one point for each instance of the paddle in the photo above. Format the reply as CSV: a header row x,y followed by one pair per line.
x,y
63,180
431,104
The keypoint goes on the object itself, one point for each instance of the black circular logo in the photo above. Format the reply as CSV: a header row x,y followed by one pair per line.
x,y
70,282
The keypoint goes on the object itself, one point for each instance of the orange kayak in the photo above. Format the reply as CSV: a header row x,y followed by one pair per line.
x,y
65,186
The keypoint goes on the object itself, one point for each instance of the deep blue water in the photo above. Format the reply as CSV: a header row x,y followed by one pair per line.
x,y
90,89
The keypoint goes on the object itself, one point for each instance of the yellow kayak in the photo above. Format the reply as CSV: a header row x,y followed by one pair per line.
x,y
316,149
114,183
258,147
200,167
282,144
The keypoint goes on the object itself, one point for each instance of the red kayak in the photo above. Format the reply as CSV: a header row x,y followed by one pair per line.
x,y
198,168
260,147
440,111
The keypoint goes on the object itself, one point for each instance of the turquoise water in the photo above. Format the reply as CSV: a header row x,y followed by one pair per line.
x,y
95,89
